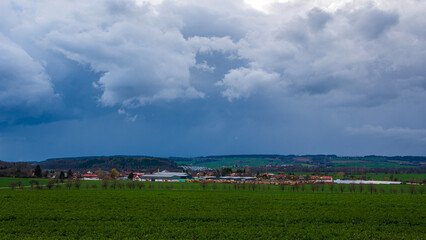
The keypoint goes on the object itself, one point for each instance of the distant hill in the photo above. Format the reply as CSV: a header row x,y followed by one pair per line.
x,y
325,161
109,162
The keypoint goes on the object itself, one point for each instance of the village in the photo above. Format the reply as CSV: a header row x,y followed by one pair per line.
x,y
209,175
213,176
222,175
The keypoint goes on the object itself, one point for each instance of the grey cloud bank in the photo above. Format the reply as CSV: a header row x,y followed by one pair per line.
x,y
211,77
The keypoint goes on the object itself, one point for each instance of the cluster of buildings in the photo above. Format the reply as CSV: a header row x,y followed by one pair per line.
x,y
212,176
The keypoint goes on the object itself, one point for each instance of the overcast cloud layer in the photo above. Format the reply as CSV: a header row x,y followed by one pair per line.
x,y
189,78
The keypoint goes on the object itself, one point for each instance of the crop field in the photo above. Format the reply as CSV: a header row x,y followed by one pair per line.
x,y
217,163
253,161
210,211
5,182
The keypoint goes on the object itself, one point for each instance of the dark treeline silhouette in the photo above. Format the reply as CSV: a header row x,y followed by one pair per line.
x,y
16,169
109,162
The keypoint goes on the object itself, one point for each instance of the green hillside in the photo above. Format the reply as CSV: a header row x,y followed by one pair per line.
x,y
304,160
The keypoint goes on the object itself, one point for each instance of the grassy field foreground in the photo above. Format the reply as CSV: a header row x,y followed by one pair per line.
x,y
161,213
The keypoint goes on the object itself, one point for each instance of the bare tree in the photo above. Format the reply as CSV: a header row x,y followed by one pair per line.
x,y
361,187
332,187
131,185
33,182
69,183
12,185
104,184
113,184
342,187
203,185
421,190
77,183
50,184
141,185
412,189
370,188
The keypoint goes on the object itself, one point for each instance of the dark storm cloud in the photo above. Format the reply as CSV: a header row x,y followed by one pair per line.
x,y
317,19
372,23
300,77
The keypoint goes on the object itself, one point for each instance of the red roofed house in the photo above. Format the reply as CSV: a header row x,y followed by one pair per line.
x,y
90,177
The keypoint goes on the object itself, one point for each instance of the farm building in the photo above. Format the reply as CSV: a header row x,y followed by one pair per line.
x,y
90,177
230,178
163,176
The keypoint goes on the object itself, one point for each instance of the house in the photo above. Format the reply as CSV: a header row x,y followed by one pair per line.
x,y
280,176
137,176
90,177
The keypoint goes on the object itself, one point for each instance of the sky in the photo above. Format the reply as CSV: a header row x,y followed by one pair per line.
x,y
210,77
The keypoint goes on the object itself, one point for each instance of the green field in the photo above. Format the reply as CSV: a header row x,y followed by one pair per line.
x,y
310,160
419,177
220,211
217,163
5,182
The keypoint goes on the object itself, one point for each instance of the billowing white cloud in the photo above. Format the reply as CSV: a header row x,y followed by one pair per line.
x,y
23,80
352,52
141,53
242,82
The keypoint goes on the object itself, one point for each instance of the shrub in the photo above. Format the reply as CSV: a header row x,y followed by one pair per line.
x,y
50,184
104,184
77,183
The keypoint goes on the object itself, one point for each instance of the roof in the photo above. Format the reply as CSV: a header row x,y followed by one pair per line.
x,y
166,175
90,175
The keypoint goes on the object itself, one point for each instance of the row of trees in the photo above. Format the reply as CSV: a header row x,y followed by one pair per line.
x,y
39,173
335,188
